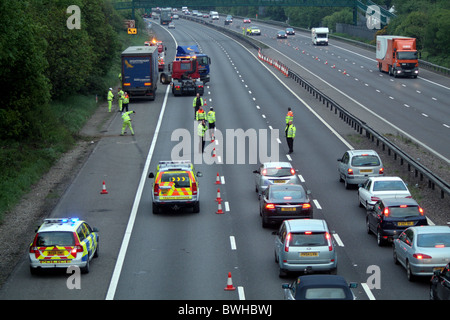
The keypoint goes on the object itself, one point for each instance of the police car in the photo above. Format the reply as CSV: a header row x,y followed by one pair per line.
x,y
63,242
175,186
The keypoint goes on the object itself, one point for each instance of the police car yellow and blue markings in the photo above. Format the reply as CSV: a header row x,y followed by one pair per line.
x,y
168,189
54,254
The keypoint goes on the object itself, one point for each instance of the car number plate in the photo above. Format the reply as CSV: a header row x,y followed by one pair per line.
x,y
366,170
56,252
309,254
55,261
279,181
406,223
289,209
438,269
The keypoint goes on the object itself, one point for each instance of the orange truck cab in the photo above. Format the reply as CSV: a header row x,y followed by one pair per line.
x,y
397,56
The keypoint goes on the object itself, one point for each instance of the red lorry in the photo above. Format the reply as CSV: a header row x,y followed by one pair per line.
x,y
397,55
184,77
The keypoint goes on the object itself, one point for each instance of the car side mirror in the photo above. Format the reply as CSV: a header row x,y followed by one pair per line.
x,y
255,171
95,229
286,286
151,175
199,174
353,285
339,160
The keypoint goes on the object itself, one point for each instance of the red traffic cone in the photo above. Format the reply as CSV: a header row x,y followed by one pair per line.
x,y
219,207
229,286
214,153
104,189
218,199
218,179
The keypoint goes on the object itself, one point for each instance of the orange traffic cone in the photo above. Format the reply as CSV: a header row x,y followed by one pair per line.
x,y
229,286
218,179
218,199
104,189
219,207
345,72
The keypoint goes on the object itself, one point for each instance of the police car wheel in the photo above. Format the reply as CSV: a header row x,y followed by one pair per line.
x,y
86,268
96,250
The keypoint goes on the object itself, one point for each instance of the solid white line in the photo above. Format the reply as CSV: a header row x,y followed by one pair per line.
x,y
227,206
367,290
126,239
233,243
222,180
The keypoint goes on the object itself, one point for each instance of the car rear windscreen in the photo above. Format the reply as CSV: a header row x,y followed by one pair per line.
x,y
365,161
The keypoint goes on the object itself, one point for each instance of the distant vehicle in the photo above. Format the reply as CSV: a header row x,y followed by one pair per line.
x,y
165,17
397,55
355,166
253,31
175,17
274,173
171,25
290,31
422,250
284,201
63,242
140,71
376,188
228,20
247,20
281,34
389,217
304,245
319,36
319,287
440,284
214,15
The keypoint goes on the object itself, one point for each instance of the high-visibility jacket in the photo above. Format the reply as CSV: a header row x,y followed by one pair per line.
x,y
126,99
290,132
126,116
121,94
289,117
200,115
194,103
201,129
211,116
110,95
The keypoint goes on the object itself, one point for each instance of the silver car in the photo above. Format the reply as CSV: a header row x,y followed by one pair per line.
x,y
274,173
356,166
305,245
422,250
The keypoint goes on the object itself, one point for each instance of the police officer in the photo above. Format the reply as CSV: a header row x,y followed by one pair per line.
x,y
121,95
200,115
211,117
110,99
126,101
127,122
198,102
201,129
289,117
290,135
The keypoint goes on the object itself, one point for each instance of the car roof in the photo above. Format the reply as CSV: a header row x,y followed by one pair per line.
x,y
298,225
389,178
175,165
397,202
432,229
362,151
277,164
60,224
322,279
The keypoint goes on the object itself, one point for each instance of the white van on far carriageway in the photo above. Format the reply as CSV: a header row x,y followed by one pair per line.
x,y
214,15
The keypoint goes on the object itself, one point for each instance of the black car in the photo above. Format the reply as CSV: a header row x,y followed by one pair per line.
x,y
282,202
228,20
389,217
440,284
281,34
319,287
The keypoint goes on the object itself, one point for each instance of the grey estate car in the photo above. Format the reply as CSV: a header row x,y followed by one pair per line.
x,y
305,245
356,166
274,173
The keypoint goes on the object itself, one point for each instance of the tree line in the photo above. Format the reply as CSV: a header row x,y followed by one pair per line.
x,y
42,60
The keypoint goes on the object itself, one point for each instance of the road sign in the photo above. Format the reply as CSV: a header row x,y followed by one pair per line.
x,y
132,30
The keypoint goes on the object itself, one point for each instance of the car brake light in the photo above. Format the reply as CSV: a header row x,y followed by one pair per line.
x,y
292,171
386,212
287,198
381,171
421,256
264,172
374,198
330,244
306,206
194,188
421,211
156,189
270,206
286,243
403,206
440,246
350,171
308,232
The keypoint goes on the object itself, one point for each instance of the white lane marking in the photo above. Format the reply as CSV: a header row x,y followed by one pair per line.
x,y
301,178
367,290
227,206
233,243
241,293
338,240
222,180
126,239
316,203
